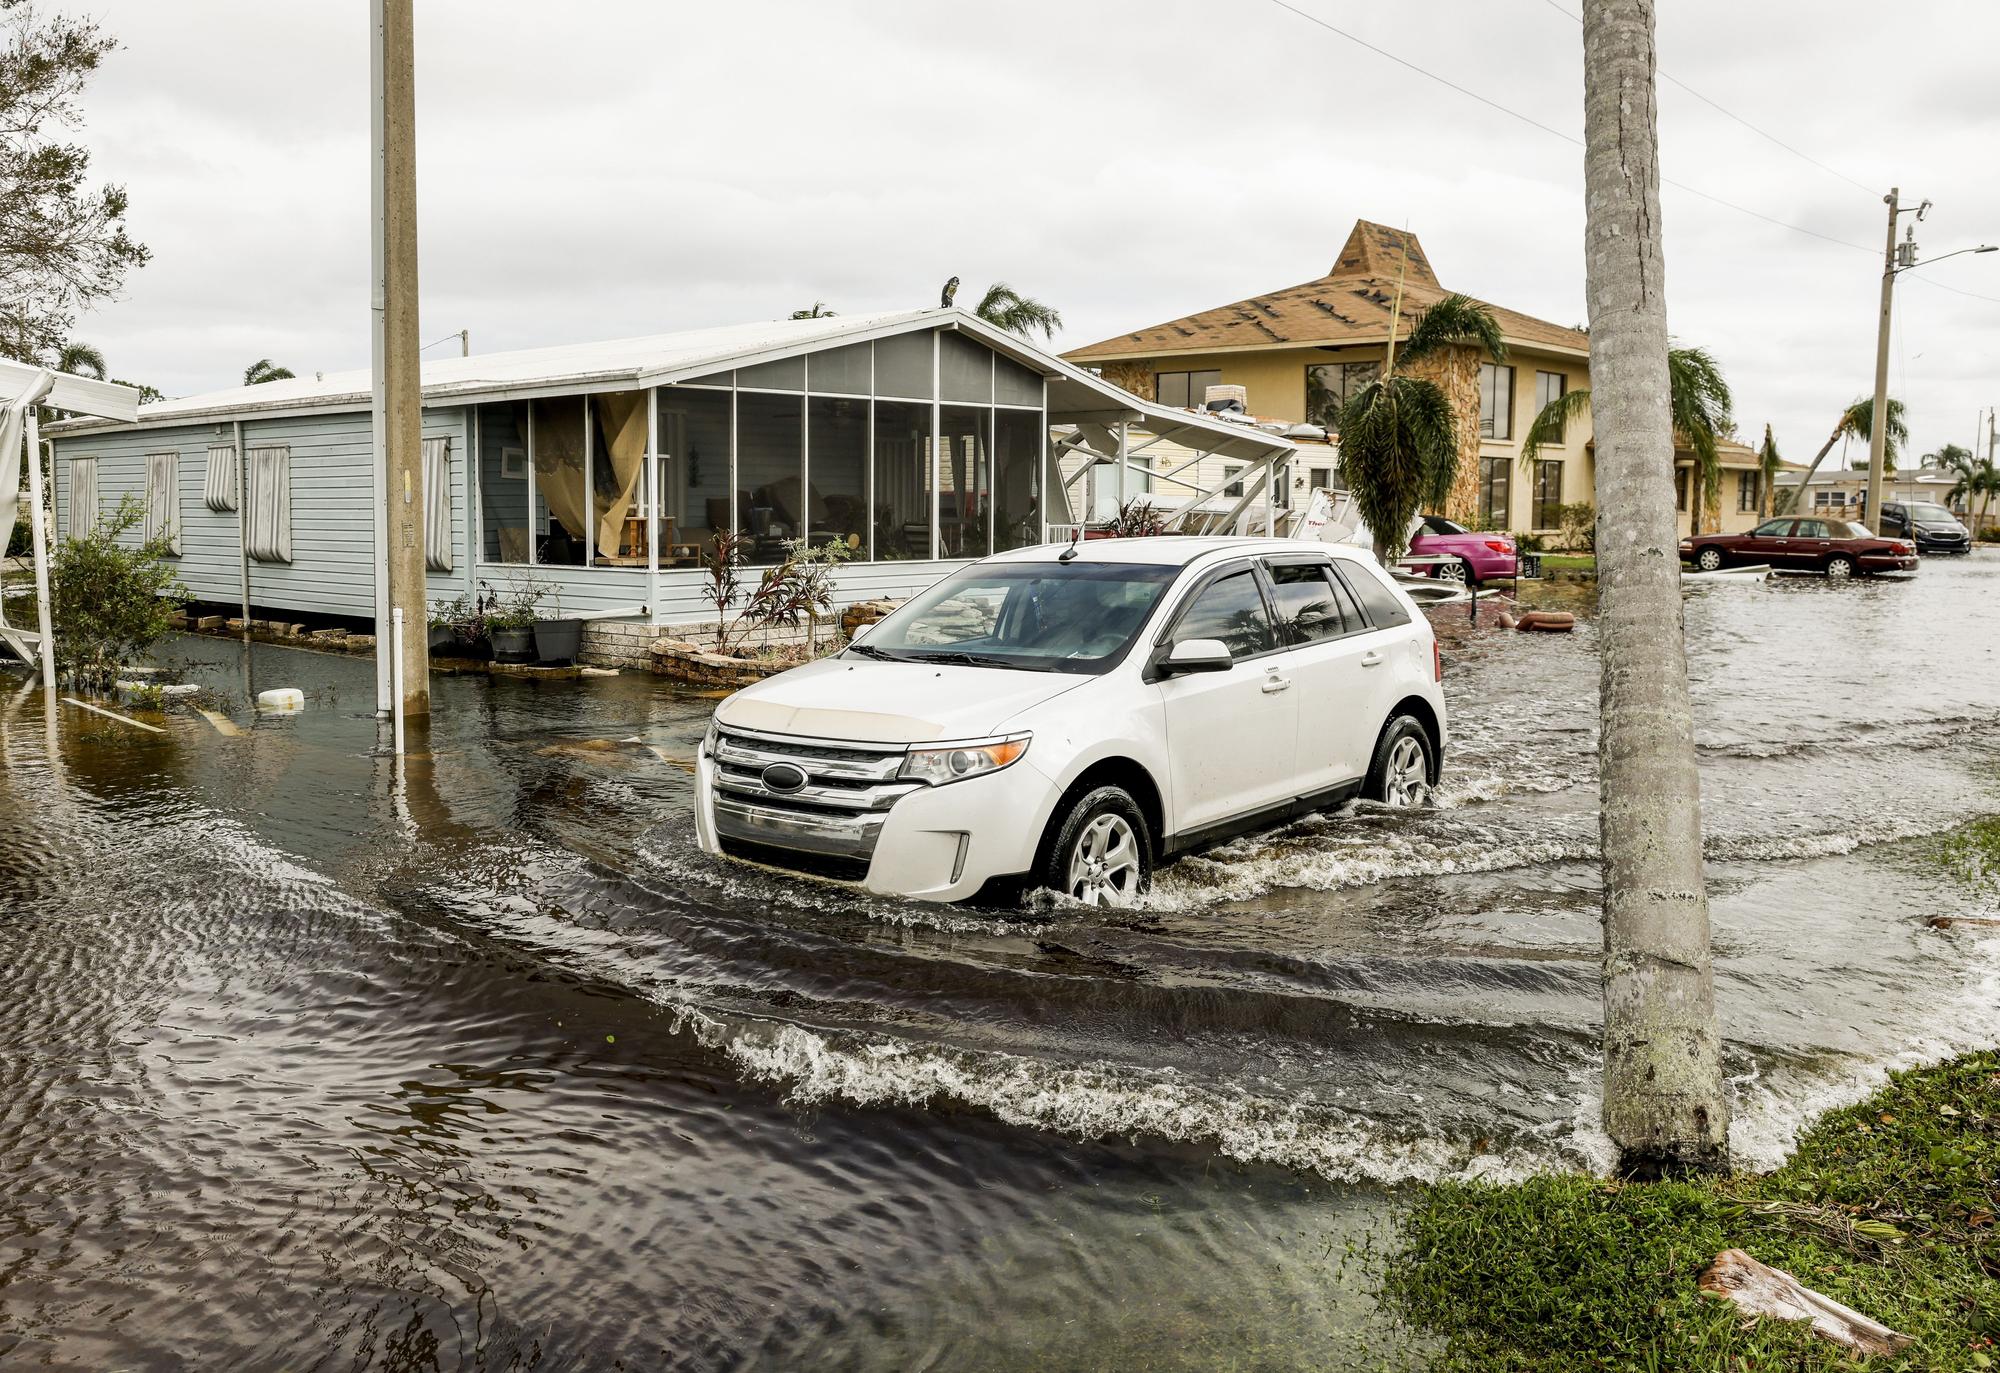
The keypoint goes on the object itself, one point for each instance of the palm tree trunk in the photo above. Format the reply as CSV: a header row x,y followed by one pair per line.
x,y
1799,491
1663,1094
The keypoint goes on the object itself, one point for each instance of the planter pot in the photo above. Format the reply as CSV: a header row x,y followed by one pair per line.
x,y
558,641
445,642
513,645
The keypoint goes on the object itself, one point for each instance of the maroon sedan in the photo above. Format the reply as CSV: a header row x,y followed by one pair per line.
x,y
1839,548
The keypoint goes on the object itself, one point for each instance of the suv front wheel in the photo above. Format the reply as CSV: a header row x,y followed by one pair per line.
x,y
1102,854
1400,773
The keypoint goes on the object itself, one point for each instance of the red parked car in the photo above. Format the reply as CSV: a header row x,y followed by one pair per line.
x,y
1479,557
1839,548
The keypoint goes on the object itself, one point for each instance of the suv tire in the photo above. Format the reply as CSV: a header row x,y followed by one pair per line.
x,y
1400,773
1709,559
1102,852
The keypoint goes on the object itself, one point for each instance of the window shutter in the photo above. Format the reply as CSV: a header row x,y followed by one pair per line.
x,y
82,497
219,491
271,504
437,504
163,499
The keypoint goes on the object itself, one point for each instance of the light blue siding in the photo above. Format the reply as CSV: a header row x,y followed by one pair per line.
x,y
331,571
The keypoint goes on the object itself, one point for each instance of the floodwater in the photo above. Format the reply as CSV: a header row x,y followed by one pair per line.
x,y
304,1067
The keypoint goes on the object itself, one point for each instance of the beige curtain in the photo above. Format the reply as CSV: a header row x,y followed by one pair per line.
x,y
622,416
559,460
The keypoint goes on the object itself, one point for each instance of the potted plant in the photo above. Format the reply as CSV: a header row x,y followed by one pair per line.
x,y
447,622
510,625
558,640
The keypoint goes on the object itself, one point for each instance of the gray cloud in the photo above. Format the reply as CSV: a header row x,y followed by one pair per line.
x,y
597,170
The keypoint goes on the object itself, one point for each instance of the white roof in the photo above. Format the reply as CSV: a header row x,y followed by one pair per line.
x,y
1172,549
660,359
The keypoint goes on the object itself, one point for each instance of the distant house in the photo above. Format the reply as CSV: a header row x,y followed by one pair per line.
x,y
1843,492
1299,352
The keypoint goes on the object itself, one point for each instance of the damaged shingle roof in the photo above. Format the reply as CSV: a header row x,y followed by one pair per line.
x,y
1350,304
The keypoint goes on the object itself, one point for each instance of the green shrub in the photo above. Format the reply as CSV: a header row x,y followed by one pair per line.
x,y
110,601
1579,526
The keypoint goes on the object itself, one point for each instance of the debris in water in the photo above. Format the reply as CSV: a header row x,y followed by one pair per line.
x,y
281,698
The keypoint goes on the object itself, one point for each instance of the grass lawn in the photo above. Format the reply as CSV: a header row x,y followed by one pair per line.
x,y
1570,562
1888,1207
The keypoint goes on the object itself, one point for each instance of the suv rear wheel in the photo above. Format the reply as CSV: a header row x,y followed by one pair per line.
x,y
1400,774
1709,559
1102,854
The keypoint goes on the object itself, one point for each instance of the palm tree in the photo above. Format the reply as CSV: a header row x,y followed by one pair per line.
x,y
1855,422
1006,308
1980,479
1953,457
262,370
818,311
1768,465
81,360
1399,434
1700,402
1663,1094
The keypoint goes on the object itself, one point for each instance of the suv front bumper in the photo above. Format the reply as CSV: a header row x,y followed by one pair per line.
x,y
933,843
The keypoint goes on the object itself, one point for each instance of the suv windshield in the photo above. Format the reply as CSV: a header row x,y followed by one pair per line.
x,y
1936,514
1033,617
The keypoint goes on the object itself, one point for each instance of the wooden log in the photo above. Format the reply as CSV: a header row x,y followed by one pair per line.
x,y
1761,1291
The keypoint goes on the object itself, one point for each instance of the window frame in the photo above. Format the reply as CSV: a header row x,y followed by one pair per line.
x,y
1542,502
1542,403
1502,420
1163,640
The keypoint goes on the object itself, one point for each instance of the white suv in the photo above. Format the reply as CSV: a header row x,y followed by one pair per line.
x,y
1069,716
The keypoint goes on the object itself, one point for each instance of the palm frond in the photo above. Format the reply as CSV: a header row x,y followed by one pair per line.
x,y
1398,453
263,370
817,310
1858,422
1456,319
1005,308
1549,428
81,360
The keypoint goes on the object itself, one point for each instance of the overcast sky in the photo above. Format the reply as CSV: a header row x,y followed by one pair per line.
x,y
603,170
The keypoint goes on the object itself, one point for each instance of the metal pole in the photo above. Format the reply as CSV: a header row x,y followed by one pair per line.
x,y
38,531
1878,427
652,498
242,522
396,657
465,343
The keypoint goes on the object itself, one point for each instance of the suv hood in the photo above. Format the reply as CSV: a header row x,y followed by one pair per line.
x,y
870,701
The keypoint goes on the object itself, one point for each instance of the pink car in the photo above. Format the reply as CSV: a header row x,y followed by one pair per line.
x,y
1479,557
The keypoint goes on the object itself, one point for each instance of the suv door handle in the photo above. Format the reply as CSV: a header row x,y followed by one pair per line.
x,y
1371,659
1275,683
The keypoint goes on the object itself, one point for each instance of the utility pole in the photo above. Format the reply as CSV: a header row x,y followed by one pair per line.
x,y
1878,427
398,392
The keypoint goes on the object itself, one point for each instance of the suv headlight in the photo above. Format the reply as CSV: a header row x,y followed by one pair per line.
x,y
713,737
974,758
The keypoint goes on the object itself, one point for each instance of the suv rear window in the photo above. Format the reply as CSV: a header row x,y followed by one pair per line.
x,y
1385,608
1310,608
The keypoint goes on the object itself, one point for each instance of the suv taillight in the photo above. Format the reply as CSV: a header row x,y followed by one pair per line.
x,y
1437,662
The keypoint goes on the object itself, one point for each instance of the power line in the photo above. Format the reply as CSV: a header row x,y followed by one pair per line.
x,y
1955,290
1565,137
1723,109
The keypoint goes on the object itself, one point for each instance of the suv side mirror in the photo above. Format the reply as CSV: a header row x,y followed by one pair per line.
x,y
1198,655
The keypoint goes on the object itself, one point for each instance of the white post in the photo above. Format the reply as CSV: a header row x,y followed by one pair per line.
x,y
39,536
653,502
378,329
396,657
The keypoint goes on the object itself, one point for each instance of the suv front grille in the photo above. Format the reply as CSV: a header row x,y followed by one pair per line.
x,y
829,825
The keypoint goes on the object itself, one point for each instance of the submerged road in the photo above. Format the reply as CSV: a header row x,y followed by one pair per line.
x,y
303,1068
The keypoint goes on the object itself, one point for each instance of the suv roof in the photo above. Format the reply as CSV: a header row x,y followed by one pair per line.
x,y
1171,549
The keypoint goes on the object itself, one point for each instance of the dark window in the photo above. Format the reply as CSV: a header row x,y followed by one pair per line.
x,y
1309,609
1330,385
1548,494
1749,491
1321,478
1680,488
1231,609
1496,401
1774,529
1185,389
1549,388
1493,512
1385,608
1232,479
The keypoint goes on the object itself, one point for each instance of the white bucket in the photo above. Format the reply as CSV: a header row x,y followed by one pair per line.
x,y
281,698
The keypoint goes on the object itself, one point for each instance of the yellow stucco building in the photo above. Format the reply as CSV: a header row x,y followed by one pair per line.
x,y
1298,352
